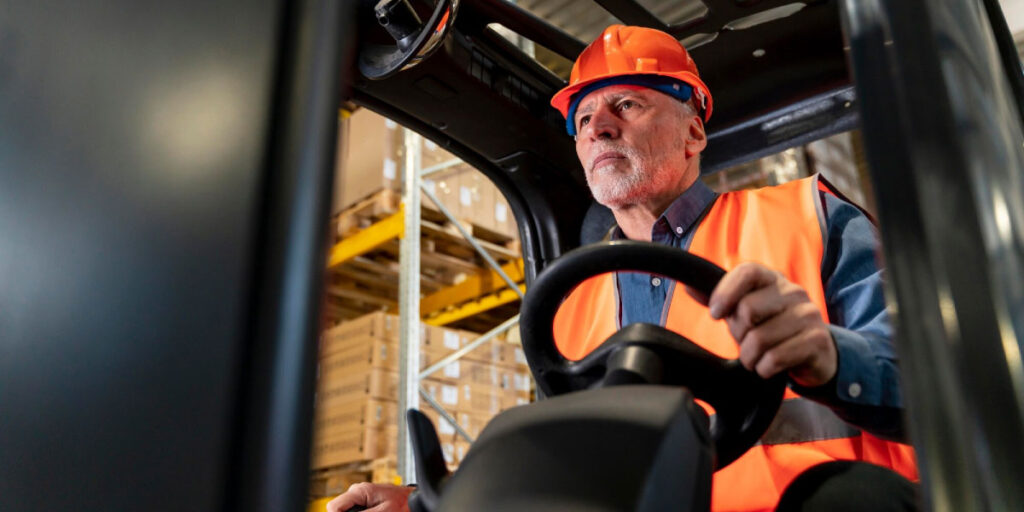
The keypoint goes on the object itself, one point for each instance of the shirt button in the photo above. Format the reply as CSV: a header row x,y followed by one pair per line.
x,y
855,390
655,282
679,230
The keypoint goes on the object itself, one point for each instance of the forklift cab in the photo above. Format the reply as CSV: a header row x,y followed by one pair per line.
x,y
165,178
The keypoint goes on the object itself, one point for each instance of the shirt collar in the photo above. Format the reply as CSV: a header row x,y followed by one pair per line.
x,y
684,212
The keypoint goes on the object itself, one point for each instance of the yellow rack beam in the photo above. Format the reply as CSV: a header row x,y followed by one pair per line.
x,y
480,292
476,307
480,284
367,240
319,505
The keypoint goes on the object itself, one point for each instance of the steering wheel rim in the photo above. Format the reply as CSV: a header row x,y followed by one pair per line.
x,y
745,404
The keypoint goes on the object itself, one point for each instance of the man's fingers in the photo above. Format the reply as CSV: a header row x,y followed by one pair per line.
x,y
808,354
357,494
809,358
341,503
791,353
761,305
736,283
777,326
758,341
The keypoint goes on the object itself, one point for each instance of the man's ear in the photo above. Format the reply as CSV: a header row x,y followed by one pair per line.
x,y
696,137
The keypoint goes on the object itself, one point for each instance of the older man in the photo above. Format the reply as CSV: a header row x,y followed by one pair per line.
x,y
803,294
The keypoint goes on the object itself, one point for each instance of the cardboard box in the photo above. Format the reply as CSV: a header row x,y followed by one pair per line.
x,y
468,371
454,453
511,398
473,424
359,382
369,158
371,154
339,198
443,185
473,405
434,338
440,342
481,373
511,356
496,351
446,341
514,380
454,339
500,353
443,392
479,399
437,342
433,154
488,353
450,373
512,336
485,210
492,211
334,418
378,325
504,219
367,353
469,196
365,443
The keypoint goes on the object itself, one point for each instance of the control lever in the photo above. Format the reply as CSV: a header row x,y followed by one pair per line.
x,y
431,470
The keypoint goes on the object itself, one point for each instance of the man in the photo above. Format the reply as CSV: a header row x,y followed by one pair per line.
x,y
796,255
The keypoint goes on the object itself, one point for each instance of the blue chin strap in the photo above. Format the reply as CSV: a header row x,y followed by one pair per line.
x,y
677,89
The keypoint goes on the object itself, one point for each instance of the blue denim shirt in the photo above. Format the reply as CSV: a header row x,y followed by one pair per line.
x,y
865,390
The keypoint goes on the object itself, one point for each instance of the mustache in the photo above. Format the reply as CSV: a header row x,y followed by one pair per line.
x,y
606,147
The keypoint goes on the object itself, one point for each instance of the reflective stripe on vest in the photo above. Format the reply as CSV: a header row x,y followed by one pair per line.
x,y
781,227
800,420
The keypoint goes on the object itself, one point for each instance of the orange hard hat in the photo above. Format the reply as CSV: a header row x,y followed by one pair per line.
x,y
624,51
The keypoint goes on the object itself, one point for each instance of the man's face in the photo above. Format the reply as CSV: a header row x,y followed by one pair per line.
x,y
632,144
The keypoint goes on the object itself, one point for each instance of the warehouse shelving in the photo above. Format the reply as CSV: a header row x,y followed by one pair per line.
x,y
491,278
481,291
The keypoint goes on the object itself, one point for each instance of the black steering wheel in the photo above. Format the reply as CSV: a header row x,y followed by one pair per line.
x,y
744,403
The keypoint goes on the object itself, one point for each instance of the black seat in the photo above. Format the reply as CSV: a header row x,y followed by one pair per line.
x,y
596,224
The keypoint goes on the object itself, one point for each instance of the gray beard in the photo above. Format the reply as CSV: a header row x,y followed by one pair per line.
x,y
619,191
616,189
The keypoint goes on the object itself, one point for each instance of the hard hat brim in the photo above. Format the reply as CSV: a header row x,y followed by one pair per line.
x,y
561,100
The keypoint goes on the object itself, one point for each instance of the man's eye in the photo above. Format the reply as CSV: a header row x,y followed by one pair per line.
x,y
585,120
627,104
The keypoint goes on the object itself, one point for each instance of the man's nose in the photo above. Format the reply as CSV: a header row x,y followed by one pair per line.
x,y
603,125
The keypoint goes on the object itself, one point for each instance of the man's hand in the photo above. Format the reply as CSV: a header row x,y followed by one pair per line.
x,y
775,323
376,497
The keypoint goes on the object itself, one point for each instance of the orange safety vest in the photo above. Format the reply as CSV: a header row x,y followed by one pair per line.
x,y
781,227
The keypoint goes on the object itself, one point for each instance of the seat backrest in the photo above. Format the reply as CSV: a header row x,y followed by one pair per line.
x,y
596,224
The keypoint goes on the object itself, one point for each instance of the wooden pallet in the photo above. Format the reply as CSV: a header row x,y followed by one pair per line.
x,y
366,211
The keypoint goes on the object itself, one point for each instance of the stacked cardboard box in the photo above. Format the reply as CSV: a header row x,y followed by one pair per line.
x,y
357,412
370,158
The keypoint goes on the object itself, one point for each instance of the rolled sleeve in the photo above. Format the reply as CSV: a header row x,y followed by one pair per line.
x,y
859,378
865,390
